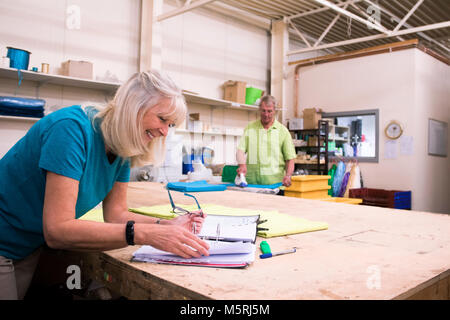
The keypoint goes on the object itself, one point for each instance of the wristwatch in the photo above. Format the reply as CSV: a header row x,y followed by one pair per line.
x,y
129,233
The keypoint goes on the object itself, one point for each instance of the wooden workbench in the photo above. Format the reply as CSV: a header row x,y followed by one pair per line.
x,y
367,253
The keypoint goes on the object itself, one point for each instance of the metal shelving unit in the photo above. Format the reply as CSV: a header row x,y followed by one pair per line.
x,y
319,150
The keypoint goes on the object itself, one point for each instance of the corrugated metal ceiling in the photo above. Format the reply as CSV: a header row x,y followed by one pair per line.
x,y
391,12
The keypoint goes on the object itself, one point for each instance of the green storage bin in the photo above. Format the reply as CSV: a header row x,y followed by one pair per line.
x,y
251,95
229,173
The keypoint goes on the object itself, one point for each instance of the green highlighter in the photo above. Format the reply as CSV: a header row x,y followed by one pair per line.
x,y
265,248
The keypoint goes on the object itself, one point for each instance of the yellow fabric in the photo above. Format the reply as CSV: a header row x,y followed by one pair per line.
x,y
160,211
279,224
93,215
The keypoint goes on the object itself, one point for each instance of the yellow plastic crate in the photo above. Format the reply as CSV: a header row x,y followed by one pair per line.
x,y
343,200
309,183
315,194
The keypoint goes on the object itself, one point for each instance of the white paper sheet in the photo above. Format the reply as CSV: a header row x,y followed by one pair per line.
x,y
390,149
406,146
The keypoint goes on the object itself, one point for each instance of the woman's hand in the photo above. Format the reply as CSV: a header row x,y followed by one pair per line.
x,y
172,238
192,222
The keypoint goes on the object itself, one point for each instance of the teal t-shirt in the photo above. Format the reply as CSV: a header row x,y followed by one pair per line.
x,y
64,142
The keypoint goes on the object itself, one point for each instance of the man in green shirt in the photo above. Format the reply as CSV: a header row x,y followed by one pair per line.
x,y
265,152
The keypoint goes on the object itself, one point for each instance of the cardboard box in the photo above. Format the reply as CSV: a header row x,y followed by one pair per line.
x,y
312,141
194,116
296,124
234,91
78,69
311,117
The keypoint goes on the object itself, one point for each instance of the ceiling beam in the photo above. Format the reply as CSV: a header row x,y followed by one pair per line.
x,y
299,33
307,13
367,16
239,14
423,35
400,24
324,33
439,25
292,33
188,7
352,15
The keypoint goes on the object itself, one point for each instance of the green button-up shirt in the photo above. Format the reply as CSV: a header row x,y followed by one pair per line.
x,y
267,152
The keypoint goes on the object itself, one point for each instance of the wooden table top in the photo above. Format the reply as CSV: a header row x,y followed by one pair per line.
x,y
366,253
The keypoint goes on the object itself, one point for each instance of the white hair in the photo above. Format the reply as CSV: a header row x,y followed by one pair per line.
x,y
121,118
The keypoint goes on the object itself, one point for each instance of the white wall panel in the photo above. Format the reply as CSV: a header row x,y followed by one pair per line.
x,y
202,50
108,35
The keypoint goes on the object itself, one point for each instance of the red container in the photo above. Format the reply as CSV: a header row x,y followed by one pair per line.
x,y
383,198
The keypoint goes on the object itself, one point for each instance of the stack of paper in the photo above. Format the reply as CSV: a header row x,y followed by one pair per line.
x,y
231,240
221,254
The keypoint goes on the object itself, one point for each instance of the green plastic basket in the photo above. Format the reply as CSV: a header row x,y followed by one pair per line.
x,y
251,95
229,173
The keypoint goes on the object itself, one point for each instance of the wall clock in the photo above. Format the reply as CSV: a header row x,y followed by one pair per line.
x,y
393,130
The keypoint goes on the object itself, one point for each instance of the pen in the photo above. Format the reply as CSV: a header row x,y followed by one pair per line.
x,y
269,255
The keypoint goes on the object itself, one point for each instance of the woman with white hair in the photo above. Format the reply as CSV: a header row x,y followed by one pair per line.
x,y
76,157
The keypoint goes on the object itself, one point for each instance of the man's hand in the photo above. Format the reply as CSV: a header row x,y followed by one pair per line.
x,y
289,170
287,181
242,169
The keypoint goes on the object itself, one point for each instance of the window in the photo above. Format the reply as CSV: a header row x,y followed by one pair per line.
x,y
354,134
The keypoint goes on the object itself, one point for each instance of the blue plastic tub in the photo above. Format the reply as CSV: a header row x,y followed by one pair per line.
x,y
18,58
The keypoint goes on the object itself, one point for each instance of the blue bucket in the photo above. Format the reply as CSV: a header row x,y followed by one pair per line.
x,y
18,58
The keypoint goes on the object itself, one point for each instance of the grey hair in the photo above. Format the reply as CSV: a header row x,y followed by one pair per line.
x,y
121,118
268,99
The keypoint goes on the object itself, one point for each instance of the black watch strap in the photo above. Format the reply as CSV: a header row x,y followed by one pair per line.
x,y
129,233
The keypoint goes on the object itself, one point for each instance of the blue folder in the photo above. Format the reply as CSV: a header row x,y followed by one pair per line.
x,y
196,186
